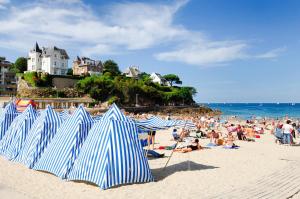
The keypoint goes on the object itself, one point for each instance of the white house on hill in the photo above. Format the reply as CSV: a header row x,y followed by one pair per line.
x,y
133,72
50,60
157,78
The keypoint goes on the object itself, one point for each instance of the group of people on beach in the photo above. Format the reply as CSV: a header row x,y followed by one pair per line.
x,y
224,132
213,129
287,132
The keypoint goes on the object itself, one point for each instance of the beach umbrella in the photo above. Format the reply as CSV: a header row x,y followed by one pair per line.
x,y
185,124
112,154
6,118
15,136
39,136
153,123
61,153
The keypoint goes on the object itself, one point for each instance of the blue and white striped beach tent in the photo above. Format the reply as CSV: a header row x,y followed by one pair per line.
x,y
15,136
116,114
40,135
60,155
64,115
112,154
97,118
7,117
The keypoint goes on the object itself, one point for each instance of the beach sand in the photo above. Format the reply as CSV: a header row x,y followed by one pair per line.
x,y
199,174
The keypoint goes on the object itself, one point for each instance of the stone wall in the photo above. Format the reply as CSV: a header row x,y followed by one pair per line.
x,y
25,91
61,82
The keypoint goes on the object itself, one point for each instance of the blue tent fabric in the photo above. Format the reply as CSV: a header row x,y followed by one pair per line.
x,y
15,136
64,115
97,118
185,124
115,113
63,150
153,123
6,118
40,135
156,123
112,154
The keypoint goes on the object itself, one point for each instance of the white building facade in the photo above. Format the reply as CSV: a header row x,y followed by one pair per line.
x,y
133,72
51,60
157,78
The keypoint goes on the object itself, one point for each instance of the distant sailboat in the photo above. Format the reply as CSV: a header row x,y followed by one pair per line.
x,y
293,104
278,103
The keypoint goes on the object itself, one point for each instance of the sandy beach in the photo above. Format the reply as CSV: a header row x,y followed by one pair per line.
x,y
209,173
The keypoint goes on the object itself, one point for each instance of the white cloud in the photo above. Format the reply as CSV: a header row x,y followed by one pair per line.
x,y
272,53
3,4
206,53
152,25
119,28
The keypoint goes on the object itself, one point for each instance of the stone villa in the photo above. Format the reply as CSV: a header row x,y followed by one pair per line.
x,y
85,65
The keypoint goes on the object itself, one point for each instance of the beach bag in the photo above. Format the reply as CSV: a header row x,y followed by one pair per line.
x,y
220,142
257,136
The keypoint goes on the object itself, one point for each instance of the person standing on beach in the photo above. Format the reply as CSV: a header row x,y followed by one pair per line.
x,y
287,130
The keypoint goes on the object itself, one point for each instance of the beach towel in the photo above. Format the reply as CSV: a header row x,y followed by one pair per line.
x,y
211,145
231,147
154,154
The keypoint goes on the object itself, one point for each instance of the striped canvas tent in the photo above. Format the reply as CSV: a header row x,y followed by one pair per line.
x,y
64,115
6,118
39,136
115,113
15,136
63,150
97,118
112,154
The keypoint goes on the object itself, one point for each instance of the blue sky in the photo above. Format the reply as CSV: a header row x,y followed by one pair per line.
x,y
231,51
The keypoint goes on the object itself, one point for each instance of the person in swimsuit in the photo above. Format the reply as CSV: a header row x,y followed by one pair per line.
x,y
192,147
151,139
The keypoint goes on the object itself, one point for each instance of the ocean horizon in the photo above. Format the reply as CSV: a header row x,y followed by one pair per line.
x,y
246,110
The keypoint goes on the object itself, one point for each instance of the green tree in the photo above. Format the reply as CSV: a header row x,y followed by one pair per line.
x,y
20,65
70,71
111,67
172,78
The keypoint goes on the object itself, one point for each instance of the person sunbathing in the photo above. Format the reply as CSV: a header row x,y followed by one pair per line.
x,y
192,147
229,141
214,137
184,133
250,132
240,133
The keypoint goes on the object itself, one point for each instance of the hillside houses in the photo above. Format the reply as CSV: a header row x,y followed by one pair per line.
x,y
132,72
158,78
85,65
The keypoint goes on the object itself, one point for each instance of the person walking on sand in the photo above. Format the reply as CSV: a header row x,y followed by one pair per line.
x,y
287,130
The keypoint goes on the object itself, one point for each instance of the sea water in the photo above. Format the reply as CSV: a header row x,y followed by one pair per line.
x,y
247,110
